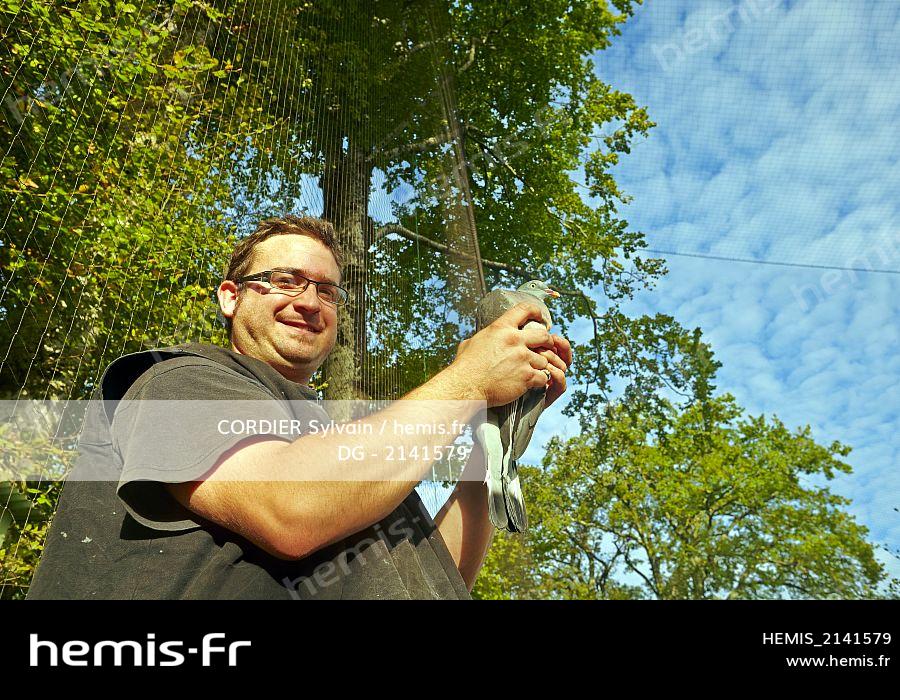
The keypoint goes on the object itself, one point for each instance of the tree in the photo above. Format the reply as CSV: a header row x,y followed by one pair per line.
x,y
23,525
110,234
481,111
695,500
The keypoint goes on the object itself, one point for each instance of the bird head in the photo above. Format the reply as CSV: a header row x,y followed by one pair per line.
x,y
538,289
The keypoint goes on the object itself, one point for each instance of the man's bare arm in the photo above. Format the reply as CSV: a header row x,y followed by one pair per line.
x,y
297,503
466,528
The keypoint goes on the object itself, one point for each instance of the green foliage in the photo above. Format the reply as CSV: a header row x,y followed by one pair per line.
x,y
142,137
101,254
25,512
108,243
36,449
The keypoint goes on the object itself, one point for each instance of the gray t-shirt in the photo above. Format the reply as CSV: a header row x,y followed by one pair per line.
x,y
127,537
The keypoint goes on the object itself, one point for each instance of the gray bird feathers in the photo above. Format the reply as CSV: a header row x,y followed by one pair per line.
x,y
505,434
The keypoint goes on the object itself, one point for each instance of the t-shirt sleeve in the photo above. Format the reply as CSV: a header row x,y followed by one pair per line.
x,y
169,429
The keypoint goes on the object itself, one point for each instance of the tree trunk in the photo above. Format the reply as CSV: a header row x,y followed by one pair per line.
x,y
345,188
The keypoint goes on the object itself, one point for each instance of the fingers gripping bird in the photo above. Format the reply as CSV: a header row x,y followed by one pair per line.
x,y
505,435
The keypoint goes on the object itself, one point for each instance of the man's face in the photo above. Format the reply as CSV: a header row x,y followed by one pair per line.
x,y
293,334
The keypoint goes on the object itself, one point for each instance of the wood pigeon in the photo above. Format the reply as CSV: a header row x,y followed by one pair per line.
x,y
505,434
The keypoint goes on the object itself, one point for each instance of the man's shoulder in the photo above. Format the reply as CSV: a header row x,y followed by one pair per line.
x,y
166,360
197,370
183,371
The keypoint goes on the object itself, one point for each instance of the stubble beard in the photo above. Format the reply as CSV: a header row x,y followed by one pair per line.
x,y
281,343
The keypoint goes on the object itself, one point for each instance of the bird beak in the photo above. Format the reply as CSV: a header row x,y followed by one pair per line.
x,y
553,293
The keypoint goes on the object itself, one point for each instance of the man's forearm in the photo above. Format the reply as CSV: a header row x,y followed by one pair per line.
x,y
294,498
464,522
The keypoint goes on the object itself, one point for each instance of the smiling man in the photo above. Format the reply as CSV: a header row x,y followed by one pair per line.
x,y
187,513
292,333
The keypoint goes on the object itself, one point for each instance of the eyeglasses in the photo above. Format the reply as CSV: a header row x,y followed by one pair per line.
x,y
293,283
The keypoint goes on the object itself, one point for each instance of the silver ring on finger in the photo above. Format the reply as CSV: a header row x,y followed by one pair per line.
x,y
549,376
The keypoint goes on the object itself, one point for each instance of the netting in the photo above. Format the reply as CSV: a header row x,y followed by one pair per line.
x,y
455,147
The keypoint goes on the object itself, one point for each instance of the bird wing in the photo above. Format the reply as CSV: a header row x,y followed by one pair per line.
x,y
505,419
528,409
487,434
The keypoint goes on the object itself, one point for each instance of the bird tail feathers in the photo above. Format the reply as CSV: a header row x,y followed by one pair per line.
x,y
488,435
497,505
514,500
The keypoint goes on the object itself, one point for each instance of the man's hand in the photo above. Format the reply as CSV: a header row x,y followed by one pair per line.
x,y
503,361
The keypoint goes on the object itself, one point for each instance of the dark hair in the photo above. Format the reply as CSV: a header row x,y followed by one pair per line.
x,y
242,255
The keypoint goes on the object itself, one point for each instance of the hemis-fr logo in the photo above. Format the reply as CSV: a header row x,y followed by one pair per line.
x,y
212,651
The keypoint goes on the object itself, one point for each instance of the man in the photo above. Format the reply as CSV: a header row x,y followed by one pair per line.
x,y
202,514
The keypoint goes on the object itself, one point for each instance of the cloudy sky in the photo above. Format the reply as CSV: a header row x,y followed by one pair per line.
x,y
777,140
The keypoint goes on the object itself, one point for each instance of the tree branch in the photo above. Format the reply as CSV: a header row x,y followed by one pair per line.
x,y
383,231
483,40
650,584
470,55
412,148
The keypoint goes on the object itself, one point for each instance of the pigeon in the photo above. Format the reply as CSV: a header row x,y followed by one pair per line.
x,y
507,430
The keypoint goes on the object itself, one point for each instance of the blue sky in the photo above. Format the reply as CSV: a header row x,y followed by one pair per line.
x,y
777,140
